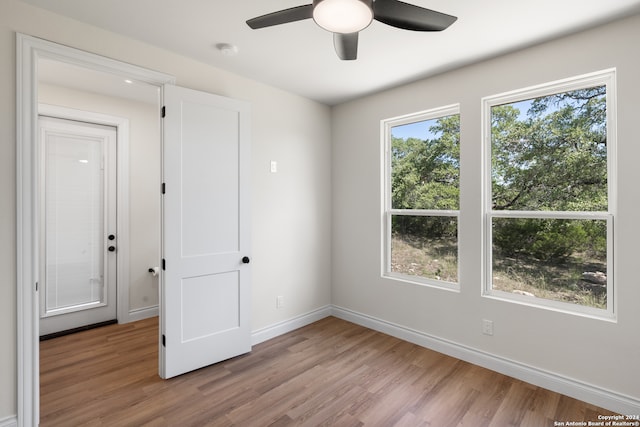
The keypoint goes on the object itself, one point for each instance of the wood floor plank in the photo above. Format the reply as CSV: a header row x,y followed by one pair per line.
x,y
330,373
492,391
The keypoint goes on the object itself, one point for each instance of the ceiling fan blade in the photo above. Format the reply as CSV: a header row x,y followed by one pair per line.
x,y
285,16
346,46
410,17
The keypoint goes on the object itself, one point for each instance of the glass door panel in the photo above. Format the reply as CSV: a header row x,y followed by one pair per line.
x,y
74,211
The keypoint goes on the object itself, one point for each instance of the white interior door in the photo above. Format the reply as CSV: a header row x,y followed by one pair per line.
x,y
205,290
78,214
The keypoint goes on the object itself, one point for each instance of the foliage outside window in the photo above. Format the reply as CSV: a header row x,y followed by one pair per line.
x,y
422,154
550,200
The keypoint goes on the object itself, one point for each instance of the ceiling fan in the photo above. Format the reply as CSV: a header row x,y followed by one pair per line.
x,y
346,18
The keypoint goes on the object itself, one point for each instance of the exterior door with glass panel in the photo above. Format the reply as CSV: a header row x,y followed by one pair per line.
x,y
77,224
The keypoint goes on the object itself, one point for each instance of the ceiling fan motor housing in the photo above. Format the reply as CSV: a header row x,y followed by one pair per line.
x,y
343,16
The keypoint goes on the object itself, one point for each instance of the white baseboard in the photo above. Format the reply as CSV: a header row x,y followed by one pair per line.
x,y
585,392
140,314
9,422
289,325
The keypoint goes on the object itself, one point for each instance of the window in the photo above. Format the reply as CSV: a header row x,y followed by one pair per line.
x,y
549,194
422,176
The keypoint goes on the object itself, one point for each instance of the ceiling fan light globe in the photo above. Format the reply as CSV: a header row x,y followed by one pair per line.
x,y
343,16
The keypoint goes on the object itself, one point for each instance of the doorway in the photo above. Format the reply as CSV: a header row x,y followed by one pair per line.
x,y
78,229
31,54
192,133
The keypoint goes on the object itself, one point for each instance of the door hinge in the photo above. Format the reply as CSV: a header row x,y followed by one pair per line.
x,y
164,188
164,341
164,111
164,264
36,286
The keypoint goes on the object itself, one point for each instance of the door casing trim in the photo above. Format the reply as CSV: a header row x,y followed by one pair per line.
x,y
28,50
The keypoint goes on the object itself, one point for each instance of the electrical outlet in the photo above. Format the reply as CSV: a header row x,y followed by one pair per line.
x,y
487,327
279,301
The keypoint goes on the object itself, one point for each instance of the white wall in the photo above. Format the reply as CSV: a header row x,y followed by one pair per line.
x,y
291,209
144,171
595,352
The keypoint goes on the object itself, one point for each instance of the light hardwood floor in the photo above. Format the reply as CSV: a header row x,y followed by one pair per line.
x,y
330,373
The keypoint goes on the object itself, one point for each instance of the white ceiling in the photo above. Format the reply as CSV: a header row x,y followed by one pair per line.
x,y
299,57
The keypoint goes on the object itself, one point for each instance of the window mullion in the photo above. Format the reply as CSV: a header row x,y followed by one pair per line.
x,y
550,214
424,212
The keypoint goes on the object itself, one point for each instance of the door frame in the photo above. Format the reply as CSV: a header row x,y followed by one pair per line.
x,y
28,50
122,191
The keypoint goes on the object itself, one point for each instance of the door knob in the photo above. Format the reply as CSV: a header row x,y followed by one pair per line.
x,y
246,260
111,248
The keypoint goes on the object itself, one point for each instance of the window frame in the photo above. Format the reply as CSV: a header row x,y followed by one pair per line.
x,y
605,78
387,210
